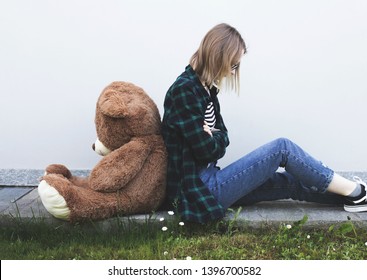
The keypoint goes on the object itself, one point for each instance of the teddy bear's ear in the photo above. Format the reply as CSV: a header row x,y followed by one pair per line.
x,y
112,104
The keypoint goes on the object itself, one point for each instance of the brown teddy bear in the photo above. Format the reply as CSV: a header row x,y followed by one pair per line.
x,y
130,178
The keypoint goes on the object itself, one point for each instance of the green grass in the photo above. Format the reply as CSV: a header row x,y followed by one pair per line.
x,y
220,241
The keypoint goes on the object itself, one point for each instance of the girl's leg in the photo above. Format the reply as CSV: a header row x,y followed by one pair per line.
x,y
253,170
341,185
284,186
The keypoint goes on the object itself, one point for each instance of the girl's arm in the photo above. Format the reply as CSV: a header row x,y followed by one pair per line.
x,y
189,118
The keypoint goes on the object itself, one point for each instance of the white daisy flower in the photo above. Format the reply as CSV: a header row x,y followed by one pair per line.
x,y
161,219
171,213
181,223
188,258
164,228
289,226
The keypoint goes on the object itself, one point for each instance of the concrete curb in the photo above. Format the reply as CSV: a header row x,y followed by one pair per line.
x,y
26,207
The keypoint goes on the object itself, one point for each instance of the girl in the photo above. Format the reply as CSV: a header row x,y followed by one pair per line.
x,y
196,137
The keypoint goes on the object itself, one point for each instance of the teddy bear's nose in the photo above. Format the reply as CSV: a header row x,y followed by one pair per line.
x,y
93,147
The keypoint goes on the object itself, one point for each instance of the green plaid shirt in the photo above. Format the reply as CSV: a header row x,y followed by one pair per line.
x,y
190,148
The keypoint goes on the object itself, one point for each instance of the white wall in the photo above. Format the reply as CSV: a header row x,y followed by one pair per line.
x,y
304,76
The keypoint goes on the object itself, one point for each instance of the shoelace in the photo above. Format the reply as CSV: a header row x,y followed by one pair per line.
x,y
358,180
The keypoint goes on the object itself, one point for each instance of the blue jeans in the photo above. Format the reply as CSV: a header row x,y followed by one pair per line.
x,y
255,177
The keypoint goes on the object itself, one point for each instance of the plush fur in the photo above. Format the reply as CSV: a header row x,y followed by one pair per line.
x,y
130,178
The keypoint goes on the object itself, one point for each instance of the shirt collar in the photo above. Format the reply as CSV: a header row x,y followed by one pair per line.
x,y
214,90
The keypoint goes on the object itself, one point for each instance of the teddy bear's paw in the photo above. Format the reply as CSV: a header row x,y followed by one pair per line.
x,y
54,203
58,169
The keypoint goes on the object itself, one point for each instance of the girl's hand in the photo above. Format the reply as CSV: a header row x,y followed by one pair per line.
x,y
207,129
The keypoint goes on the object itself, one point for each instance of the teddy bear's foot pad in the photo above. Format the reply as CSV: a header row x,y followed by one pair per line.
x,y
53,201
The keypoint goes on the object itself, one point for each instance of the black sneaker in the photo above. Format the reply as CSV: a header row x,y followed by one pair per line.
x,y
359,203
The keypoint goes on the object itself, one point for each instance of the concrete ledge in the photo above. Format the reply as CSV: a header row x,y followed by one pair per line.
x,y
262,215
28,177
25,206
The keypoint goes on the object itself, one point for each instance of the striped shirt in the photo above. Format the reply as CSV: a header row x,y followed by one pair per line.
x,y
210,115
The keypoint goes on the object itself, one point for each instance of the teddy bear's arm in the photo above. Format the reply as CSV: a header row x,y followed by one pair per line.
x,y
115,170
65,172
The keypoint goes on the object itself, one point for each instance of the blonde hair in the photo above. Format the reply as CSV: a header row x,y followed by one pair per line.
x,y
221,48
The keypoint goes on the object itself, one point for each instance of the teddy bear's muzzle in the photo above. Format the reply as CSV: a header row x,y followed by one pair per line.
x,y
100,149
